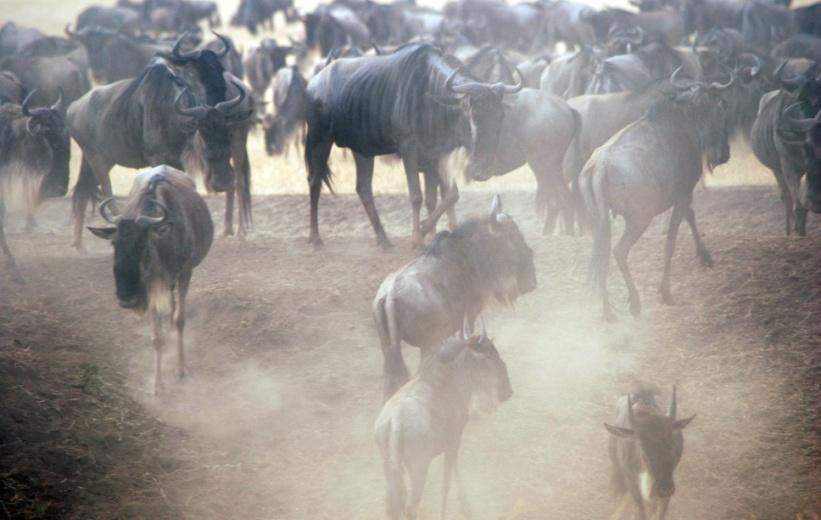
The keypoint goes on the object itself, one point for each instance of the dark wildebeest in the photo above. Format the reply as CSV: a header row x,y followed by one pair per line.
x,y
289,110
261,12
148,121
11,90
799,46
189,12
117,19
113,56
227,53
334,25
810,136
34,157
808,19
427,416
458,274
262,63
645,447
416,103
776,146
765,24
651,165
13,38
52,77
163,233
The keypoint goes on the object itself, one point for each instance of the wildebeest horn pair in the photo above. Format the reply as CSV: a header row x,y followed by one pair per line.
x,y
467,329
755,66
671,412
143,221
685,84
195,54
24,107
201,111
476,88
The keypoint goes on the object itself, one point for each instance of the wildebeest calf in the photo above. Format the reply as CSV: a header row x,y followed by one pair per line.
x,y
164,232
427,416
459,273
645,447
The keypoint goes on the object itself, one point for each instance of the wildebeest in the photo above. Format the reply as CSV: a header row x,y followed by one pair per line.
x,y
289,110
651,165
810,137
569,75
117,19
570,22
113,56
458,274
261,12
414,102
334,25
163,233
11,90
14,37
262,63
799,46
148,121
51,76
766,24
645,447
780,145
427,416
34,157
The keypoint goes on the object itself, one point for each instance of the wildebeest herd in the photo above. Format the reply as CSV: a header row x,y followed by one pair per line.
x,y
615,111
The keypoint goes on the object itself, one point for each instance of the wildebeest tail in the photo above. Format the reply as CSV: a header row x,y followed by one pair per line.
x,y
575,149
244,193
592,186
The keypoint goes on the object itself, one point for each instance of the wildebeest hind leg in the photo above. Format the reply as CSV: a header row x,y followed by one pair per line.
x,y
634,228
669,249
179,321
450,196
431,196
317,149
364,188
10,263
229,213
411,163
158,341
31,223
418,471
701,249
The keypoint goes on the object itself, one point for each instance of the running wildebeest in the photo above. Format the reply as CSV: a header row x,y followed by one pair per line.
x,y
427,416
651,165
163,233
416,103
645,447
774,147
34,157
458,274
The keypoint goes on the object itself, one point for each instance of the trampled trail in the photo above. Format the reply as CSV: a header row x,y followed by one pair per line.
x,y
276,419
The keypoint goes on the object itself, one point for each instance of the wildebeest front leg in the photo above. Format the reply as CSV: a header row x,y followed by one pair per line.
x,y
418,472
10,263
228,229
158,341
179,321
317,149
364,188
638,500
411,162
450,196
792,178
669,248
634,228
701,249
663,504
431,196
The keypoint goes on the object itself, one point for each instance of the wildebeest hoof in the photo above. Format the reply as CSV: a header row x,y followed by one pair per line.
x,y
79,247
635,308
609,316
182,375
315,241
17,277
31,225
228,233
385,244
706,260
666,297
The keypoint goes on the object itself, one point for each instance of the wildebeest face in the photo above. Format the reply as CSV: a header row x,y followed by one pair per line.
x,y
95,40
515,251
485,115
130,239
214,130
53,149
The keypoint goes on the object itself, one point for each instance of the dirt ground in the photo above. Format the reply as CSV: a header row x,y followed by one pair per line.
x,y
276,418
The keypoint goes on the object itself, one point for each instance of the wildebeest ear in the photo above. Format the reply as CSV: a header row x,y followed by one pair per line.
x,y
106,233
624,433
682,423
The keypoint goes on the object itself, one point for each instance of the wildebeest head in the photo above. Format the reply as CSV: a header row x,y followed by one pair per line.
x,y
212,123
482,104
485,372
807,132
705,104
805,86
206,62
659,437
513,249
46,125
95,40
132,241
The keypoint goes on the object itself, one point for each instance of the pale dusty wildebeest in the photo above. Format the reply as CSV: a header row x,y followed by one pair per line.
x,y
426,417
645,447
651,165
163,233
458,274
34,157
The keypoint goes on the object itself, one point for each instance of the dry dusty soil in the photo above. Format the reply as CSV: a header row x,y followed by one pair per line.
x,y
276,418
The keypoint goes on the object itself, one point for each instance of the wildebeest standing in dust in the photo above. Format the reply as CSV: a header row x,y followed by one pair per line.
x,y
649,166
427,416
34,158
414,102
645,447
163,233
459,273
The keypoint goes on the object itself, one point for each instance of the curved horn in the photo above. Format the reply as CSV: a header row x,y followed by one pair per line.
x,y
24,106
467,328
226,45
69,33
183,56
198,111
226,106
721,86
671,413
797,81
512,89
146,221
104,213
755,69
629,411
59,103
471,88
681,85
483,333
